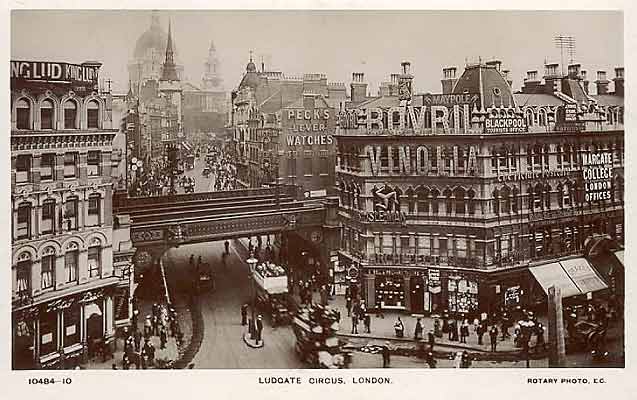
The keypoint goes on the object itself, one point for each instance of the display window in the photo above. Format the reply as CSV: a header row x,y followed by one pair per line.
x,y
390,291
463,295
48,333
72,325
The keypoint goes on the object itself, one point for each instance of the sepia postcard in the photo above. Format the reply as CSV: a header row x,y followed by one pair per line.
x,y
319,201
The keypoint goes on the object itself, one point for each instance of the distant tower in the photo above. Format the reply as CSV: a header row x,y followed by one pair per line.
x,y
148,55
169,82
211,79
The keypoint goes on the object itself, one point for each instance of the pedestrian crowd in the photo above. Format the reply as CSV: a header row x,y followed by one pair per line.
x,y
223,167
138,346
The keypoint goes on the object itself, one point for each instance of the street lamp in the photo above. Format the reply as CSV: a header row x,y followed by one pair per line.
x,y
252,262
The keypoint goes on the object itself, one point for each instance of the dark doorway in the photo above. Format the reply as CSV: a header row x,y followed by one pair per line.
x,y
417,294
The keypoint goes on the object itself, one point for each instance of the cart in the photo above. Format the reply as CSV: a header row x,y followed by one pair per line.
x,y
587,335
316,341
271,291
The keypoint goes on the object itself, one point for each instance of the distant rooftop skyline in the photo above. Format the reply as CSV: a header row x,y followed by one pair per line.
x,y
335,43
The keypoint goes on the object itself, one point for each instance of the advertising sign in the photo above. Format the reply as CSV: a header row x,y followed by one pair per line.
x,y
505,125
597,171
54,71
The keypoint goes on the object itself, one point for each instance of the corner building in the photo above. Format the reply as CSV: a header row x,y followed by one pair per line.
x,y
450,201
70,266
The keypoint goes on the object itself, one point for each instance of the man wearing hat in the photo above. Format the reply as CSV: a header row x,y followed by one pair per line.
x,y
259,328
386,355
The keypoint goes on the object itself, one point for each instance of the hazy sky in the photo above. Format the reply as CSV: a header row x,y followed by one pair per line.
x,y
336,43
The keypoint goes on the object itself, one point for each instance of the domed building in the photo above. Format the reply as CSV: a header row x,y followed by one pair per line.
x,y
149,55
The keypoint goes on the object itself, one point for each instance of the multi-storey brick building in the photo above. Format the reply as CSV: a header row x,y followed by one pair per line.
x,y
448,201
283,128
70,262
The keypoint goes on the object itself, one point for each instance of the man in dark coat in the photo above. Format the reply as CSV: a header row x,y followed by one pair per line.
x,y
163,338
493,334
259,328
431,338
227,246
137,337
480,331
418,330
354,322
348,305
244,314
386,355
368,321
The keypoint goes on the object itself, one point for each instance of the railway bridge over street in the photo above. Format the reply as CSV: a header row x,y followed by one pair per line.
x,y
162,222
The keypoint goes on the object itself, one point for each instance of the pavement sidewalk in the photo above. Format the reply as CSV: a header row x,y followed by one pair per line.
x,y
172,350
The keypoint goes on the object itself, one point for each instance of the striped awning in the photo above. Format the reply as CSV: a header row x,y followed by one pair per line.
x,y
573,276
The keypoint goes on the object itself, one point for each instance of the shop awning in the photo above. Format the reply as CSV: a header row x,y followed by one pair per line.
x,y
554,275
574,276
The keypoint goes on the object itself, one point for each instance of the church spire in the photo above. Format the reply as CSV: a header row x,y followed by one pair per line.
x,y
169,72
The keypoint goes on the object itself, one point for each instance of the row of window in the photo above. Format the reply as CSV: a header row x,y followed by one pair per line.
x,y
67,218
24,270
48,162
505,200
71,120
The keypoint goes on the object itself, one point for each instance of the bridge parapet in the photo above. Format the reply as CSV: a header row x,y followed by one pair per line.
x,y
123,202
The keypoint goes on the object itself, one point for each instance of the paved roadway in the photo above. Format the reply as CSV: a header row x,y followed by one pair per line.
x,y
223,346
202,184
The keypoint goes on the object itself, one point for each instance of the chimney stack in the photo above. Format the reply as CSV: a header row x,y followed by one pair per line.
x,y
358,87
495,63
550,70
585,81
393,85
574,71
448,79
602,82
531,82
619,81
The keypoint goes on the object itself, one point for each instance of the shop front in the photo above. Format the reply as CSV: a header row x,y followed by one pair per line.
x,y
62,332
421,290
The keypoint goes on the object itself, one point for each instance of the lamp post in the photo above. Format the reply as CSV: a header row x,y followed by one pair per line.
x,y
252,262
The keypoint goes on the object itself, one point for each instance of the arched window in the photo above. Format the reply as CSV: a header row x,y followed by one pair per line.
x,y
434,201
47,275
448,201
542,118
23,223
530,117
71,258
23,275
47,114
459,195
92,114
514,200
423,200
70,114
411,202
94,259
471,203
23,114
